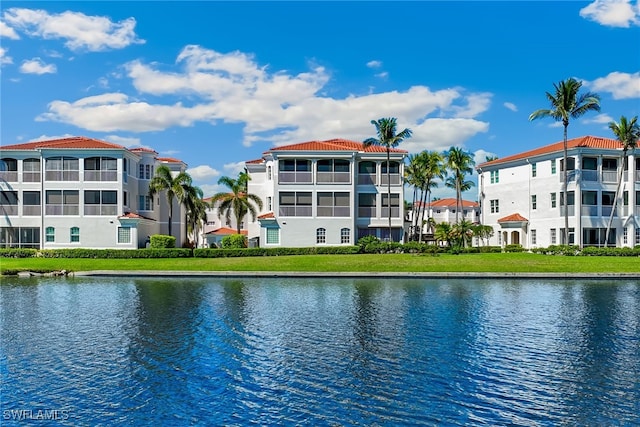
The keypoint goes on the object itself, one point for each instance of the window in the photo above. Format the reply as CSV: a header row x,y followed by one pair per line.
x,y
9,202
345,236
273,236
333,204
572,239
50,234
589,163
269,172
294,203
609,164
74,234
20,237
145,203
31,170
499,238
98,202
596,236
367,205
534,169
269,204
553,236
637,236
9,170
30,203
395,205
625,236
294,171
571,162
321,235
62,169
333,171
495,176
553,200
124,234
62,202
534,202
148,171
534,237
495,207
125,198
141,172
100,169
367,173
553,167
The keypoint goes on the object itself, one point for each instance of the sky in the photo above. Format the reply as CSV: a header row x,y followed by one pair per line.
x,y
216,84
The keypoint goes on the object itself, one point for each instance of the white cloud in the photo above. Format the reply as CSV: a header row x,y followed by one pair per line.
x,y
612,13
480,156
278,107
234,168
374,64
8,32
620,85
37,66
382,75
203,173
439,134
81,32
50,137
4,58
124,141
511,106
599,119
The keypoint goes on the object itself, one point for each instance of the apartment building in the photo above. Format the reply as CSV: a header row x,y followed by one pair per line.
x,y
522,196
82,192
326,193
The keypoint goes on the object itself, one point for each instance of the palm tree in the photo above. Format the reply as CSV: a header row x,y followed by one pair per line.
x,y
414,176
628,133
388,138
173,186
238,201
434,169
567,103
460,163
196,211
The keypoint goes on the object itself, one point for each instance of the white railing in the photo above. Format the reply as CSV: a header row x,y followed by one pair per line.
x,y
31,210
295,211
90,175
333,178
334,211
367,212
295,177
367,179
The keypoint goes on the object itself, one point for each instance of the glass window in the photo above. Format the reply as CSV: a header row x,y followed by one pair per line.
x,y
325,166
495,207
50,234
553,200
321,235
9,197
589,163
534,237
141,172
608,197
367,167
609,164
367,200
31,165
394,167
345,236
553,166
534,169
534,202
269,204
273,236
75,234
10,165
589,198
553,236
92,197
109,197
124,234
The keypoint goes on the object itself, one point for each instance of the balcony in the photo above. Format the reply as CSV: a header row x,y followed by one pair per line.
x,y
394,178
367,179
334,211
295,211
62,176
90,175
31,210
589,210
333,177
9,176
395,212
10,210
606,211
100,210
30,176
589,175
571,210
367,211
62,210
295,177
609,176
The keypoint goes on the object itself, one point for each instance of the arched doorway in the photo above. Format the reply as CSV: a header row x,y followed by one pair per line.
x,y
515,238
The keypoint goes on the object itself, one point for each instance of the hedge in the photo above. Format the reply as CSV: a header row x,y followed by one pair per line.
x,y
243,252
96,253
162,241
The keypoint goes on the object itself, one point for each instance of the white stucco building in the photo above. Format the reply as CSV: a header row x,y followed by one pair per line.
x,y
82,192
522,196
326,193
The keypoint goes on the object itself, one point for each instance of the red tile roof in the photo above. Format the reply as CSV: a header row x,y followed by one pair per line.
x,y
516,217
268,215
133,215
335,145
450,202
168,160
254,162
74,142
226,231
143,149
584,141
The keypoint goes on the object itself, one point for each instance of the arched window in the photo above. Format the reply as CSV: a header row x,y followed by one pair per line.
x,y
321,235
75,234
345,236
50,234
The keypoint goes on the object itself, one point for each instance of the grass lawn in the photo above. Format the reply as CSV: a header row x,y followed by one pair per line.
x,y
502,262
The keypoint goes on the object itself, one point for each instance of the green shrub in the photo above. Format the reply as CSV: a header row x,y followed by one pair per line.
x,y
234,241
490,249
162,241
594,251
513,248
18,253
247,252
366,240
116,253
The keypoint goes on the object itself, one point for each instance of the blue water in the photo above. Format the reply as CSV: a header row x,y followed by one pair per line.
x,y
319,352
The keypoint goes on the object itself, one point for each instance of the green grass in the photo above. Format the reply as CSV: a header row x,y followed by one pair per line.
x,y
498,263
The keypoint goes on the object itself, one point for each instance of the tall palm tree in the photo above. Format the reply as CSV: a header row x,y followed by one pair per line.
x,y
414,176
567,103
628,133
196,211
173,186
460,163
388,138
434,169
237,201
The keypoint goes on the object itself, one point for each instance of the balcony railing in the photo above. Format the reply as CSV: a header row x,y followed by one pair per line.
x,y
295,211
31,210
100,209
30,176
394,178
9,176
606,211
367,211
295,177
395,212
100,175
10,210
571,209
589,175
589,210
62,176
571,176
367,179
62,210
333,177
343,211
609,176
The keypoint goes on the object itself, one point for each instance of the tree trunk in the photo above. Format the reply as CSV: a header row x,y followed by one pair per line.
x,y
615,198
564,188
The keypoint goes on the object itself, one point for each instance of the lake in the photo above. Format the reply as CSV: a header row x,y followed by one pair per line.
x,y
334,352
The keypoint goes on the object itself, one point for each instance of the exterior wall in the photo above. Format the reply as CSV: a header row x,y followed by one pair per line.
x,y
517,186
98,224
268,182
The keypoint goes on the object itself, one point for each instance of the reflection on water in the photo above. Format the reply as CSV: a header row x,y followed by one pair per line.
x,y
320,351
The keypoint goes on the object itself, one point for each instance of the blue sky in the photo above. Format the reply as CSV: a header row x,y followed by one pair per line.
x,y
218,83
